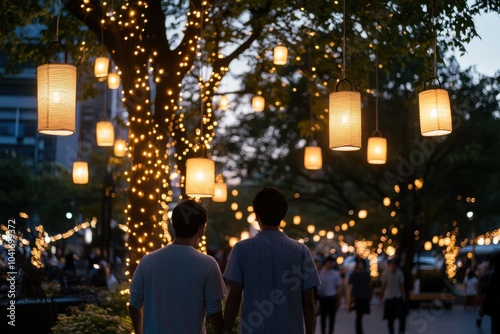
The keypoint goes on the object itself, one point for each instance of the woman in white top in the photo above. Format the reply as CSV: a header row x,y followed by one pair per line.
x,y
470,284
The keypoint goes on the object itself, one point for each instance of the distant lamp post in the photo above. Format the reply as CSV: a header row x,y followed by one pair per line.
x,y
280,55
200,177
105,133
80,172
258,103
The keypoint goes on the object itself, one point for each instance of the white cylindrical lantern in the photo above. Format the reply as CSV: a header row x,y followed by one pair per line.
x,y
280,55
313,159
80,172
101,67
258,103
200,177
434,112
220,192
113,81
105,133
345,120
120,148
377,150
56,95
223,102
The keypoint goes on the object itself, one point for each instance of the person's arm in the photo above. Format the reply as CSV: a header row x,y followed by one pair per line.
x,y
308,306
232,305
217,322
136,316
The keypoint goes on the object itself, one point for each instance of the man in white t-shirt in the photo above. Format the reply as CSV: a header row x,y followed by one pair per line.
x,y
329,294
175,287
392,292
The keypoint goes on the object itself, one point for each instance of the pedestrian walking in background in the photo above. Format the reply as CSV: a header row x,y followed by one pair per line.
x,y
470,285
273,274
359,293
329,294
392,293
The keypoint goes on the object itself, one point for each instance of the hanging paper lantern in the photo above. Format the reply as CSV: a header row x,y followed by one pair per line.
x,y
56,96
113,81
223,102
220,192
280,55
434,112
120,148
80,172
313,159
377,150
258,103
105,133
345,120
101,67
200,177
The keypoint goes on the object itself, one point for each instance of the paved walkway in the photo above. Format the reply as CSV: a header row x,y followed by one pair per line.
x,y
419,321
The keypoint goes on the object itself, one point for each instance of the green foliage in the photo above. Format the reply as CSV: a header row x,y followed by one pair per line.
x,y
92,319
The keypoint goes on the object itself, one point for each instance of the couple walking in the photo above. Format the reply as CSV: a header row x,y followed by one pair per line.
x,y
270,276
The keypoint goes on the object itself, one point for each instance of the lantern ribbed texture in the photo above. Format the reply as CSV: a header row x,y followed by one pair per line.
x,y
56,95
220,192
200,177
105,133
80,172
120,148
113,81
258,103
434,112
345,121
101,67
377,150
280,55
312,158
223,102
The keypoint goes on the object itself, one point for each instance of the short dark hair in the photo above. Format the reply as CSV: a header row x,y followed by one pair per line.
x,y
187,218
271,205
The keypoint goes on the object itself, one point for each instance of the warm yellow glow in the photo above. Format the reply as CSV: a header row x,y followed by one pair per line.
x,y
200,177
244,235
101,67
113,81
280,55
316,238
251,218
296,220
313,159
232,241
330,235
220,190
345,121
120,148
234,206
362,214
80,172
322,233
340,260
56,96
386,201
391,251
344,227
394,230
434,112
223,102
419,183
435,239
258,103
238,215
311,229
377,150
428,245
105,133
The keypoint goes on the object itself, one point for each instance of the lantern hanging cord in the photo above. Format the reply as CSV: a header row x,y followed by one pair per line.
x,y
376,94
343,44
434,35
58,17
201,76
311,88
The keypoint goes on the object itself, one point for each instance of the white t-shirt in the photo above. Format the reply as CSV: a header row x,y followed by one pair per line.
x,y
470,286
330,281
177,286
393,281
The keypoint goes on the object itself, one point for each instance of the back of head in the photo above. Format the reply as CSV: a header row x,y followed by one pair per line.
x,y
271,205
187,218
